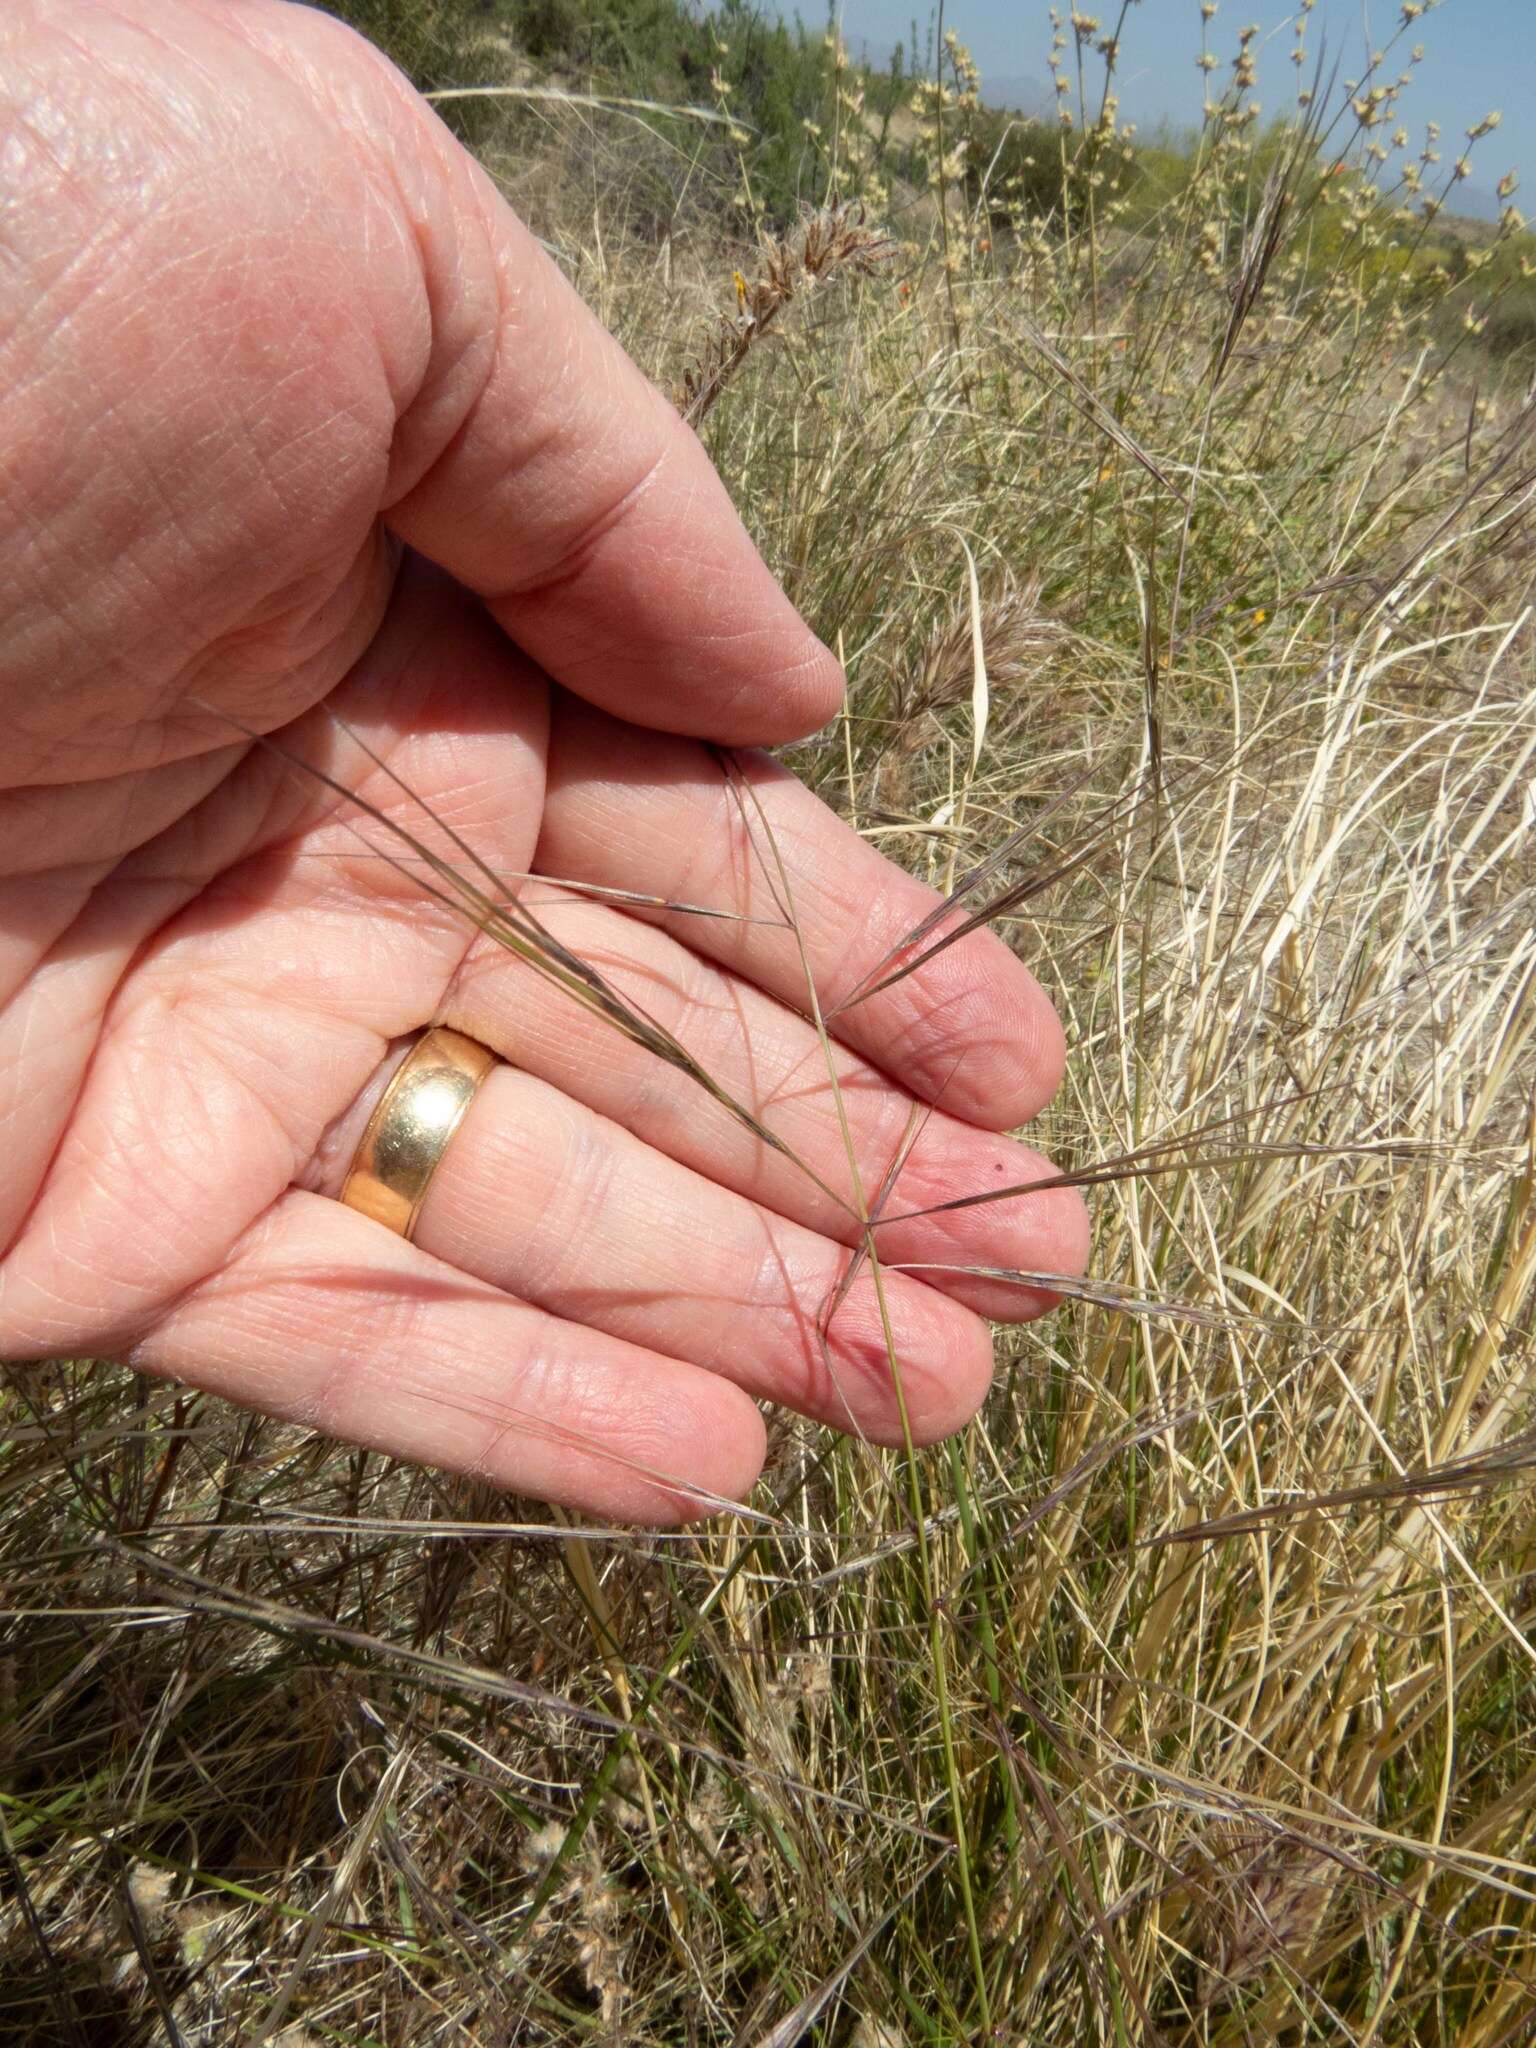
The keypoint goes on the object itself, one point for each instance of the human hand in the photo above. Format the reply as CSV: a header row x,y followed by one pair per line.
x,y
267,338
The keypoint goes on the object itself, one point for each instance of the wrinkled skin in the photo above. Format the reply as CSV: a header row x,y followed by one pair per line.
x,y
305,437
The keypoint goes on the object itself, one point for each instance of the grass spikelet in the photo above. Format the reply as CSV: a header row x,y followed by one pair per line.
x,y
1269,1894
1019,638
837,239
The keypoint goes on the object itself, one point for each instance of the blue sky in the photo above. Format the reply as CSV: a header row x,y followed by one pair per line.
x,y
1479,55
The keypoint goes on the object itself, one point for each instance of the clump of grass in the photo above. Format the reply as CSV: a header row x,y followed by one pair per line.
x,y
1188,1696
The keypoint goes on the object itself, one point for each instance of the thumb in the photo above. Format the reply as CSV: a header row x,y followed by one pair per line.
x,y
540,467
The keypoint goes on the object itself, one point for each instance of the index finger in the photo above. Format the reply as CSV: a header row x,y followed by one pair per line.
x,y
970,1028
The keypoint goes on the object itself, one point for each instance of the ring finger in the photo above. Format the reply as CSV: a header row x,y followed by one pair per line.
x,y
553,1204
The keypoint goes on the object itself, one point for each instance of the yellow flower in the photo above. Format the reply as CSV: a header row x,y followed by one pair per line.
x,y
1260,616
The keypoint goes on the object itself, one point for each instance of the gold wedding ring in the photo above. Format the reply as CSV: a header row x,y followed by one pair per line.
x,y
412,1125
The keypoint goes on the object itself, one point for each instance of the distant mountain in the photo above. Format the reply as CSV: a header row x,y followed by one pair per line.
x,y
1022,93
1477,202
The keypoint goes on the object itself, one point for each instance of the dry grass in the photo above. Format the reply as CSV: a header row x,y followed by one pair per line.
x,y
1191,1695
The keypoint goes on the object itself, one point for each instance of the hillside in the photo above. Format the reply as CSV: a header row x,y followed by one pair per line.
x,y
793,120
